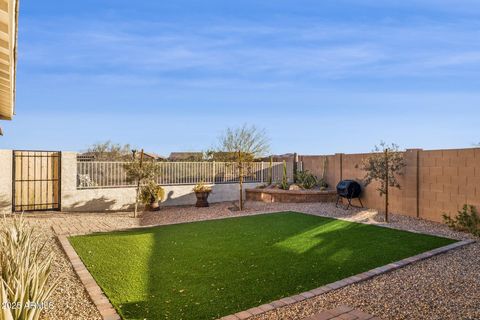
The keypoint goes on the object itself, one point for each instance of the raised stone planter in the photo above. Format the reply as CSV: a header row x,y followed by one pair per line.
x,y
291,196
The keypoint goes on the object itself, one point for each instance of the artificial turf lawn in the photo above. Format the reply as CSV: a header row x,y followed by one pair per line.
x,y
206,270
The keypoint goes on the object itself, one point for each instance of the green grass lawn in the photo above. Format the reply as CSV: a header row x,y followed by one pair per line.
x,y
205,270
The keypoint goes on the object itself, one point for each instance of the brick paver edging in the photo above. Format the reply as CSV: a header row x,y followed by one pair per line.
x,y
107,311
344,282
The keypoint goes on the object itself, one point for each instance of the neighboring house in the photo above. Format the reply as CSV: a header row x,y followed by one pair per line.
x,y
153,156
186,156
8,57
84,157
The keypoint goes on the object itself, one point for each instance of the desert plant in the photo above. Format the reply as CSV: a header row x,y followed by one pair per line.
x,y
322,184
383,165
151,192
24,271
270,172
202,187
467,220
142,173
5,312
284,185
242,146
306,179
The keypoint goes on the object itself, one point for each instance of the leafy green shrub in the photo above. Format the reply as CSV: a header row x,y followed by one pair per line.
x,y
151,192
202,187
142,171
306,179
24,271
467,219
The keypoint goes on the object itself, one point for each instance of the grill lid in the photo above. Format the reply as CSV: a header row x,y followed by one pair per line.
x,y
349,189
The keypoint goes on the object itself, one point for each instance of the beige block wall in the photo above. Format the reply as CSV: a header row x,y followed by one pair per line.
x,y
434,182
316,164
449,179
119,199
6,181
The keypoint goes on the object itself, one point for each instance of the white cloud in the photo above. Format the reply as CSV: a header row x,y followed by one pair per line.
x,y
245,51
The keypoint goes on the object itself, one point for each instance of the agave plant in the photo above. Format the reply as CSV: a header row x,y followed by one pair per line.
x,y
24,271
5,312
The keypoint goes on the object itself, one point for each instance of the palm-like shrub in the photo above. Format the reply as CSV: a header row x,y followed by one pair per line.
x,y
24,271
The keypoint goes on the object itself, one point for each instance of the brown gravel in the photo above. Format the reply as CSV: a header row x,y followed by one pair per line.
x,y
70,300
443,287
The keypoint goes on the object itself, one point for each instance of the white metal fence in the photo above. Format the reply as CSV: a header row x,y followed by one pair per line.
x,y
105,174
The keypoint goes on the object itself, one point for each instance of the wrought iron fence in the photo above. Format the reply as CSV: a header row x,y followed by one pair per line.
x,y
107,174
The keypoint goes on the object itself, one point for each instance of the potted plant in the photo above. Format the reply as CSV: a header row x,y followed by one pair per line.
x,y
151,194
202,191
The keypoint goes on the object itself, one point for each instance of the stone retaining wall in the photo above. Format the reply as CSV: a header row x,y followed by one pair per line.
x,y
290,196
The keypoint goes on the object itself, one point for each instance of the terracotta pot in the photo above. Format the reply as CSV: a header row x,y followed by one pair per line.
x,y
202,199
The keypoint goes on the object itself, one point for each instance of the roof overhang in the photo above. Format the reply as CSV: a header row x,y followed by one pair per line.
x,y
8,56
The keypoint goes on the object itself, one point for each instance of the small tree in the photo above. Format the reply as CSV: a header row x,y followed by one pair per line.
x,y
384,165
142,173
242,146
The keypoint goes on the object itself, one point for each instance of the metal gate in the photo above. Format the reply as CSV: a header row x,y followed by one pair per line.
x,y
36,180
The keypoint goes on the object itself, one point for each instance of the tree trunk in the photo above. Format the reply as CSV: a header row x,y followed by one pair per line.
x,y
386,184
240,179
138,186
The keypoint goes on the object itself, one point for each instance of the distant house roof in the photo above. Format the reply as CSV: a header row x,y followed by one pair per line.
x,y
280,157
85,157
154,156
186,156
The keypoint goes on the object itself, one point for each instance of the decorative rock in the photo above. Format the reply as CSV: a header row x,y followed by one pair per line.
x,y
295,187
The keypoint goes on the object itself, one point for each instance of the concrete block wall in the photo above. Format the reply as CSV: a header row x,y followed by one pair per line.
x,y
316,164
449,179
434,181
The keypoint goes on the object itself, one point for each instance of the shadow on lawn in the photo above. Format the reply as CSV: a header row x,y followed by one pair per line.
x,y
190,292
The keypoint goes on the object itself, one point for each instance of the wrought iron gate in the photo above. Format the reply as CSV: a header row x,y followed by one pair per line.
x,y
36,180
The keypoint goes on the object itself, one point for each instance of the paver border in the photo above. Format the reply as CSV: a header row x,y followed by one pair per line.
x,y
104,307
344,282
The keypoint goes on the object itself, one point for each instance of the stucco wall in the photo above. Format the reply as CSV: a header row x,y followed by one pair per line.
x,y
5,181
115,199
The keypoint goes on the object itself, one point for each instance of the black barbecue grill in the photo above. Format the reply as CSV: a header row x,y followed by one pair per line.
x,y
349,189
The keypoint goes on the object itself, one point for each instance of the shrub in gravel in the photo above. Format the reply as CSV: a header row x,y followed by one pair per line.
x,y
24,271
467,219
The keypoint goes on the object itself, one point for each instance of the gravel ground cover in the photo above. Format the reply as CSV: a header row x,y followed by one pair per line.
x,y
443,287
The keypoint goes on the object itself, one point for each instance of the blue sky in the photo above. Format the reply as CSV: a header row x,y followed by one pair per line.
x,y
319,76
